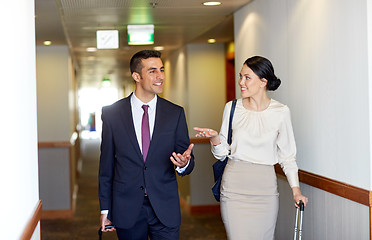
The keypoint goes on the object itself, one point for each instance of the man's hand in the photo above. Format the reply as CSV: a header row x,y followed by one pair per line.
x,y
105,221
182,160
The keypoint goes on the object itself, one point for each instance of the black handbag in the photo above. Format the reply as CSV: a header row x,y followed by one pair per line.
x,y
219,166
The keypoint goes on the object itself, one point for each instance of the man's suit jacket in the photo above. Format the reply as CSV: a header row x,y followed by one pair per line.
x,y
123,174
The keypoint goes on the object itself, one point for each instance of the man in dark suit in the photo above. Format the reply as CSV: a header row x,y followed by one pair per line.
x,y
142,149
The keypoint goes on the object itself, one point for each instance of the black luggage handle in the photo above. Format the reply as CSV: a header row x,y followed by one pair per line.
x,y
298,221
302,206
100,233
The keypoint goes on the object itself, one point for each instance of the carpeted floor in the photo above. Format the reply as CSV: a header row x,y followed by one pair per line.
x,y
85,224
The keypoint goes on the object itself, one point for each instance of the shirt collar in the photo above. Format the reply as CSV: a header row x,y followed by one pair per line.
x,y
136,103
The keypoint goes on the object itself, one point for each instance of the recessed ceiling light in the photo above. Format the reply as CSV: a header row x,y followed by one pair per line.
x,y
159,48
47,43
91,49
211,3
106,82
211,40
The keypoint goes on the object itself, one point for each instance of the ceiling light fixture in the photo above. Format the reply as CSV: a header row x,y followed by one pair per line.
x,y
47,43
106,82
159,48
91,49
211,40
153,4
211,3
141,34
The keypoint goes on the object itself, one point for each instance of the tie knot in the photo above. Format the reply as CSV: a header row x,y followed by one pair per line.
x,y
145,107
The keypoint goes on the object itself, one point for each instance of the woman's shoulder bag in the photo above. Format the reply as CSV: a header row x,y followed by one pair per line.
x,y
219,166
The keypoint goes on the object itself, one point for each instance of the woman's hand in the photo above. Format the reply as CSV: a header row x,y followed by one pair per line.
x,y
297,196
208,133
205,132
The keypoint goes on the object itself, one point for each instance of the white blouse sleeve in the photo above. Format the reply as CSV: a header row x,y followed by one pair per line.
x,y
287,150
222,150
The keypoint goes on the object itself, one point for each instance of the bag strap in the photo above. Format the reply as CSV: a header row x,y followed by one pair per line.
x,y
229,135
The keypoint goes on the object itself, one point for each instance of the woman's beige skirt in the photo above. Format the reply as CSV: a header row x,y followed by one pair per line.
x,y
249,201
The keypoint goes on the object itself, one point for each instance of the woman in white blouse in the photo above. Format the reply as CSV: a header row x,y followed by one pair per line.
x,y
262,136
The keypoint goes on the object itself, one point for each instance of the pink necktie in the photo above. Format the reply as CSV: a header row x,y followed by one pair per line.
x,y
145,131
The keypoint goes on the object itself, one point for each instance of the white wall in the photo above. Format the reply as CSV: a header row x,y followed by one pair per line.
x,y
206,95
175,86
195,79
319,50
53,93
206,74
18,144
369,32
55,105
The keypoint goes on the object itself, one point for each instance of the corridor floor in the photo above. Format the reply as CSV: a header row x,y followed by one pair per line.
x,y
84,225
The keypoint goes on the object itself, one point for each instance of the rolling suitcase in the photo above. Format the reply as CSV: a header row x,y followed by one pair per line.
x,y
298,222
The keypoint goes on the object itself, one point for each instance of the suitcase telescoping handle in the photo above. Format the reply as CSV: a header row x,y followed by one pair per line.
x,y
100,234
298,221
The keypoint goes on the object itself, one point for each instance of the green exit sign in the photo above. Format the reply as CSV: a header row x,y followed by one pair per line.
x,y
140,34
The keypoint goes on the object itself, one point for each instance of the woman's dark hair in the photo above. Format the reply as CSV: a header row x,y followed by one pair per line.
x,y
263,68
136,60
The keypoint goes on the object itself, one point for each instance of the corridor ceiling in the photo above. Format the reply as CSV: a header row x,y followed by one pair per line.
x,y
177,23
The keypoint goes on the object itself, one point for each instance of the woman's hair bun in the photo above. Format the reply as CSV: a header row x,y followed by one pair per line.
x,y
273,84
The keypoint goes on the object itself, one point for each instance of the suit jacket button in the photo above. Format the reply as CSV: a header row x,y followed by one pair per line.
x,y
145,168
142,188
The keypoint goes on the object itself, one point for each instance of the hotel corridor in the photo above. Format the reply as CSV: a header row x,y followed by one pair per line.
x,y
84,225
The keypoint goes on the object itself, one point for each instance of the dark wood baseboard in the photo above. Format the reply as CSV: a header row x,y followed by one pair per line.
x,y
61,144
198,140
199,209
205,209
